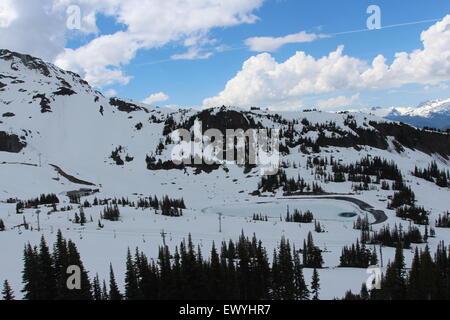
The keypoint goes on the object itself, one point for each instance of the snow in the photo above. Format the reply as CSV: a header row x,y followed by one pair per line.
x,y
425,109
78,138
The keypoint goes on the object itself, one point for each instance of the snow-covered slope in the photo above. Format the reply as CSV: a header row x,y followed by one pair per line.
x,y
52,117
49,116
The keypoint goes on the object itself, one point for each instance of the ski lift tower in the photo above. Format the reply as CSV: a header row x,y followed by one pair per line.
x,y
38,222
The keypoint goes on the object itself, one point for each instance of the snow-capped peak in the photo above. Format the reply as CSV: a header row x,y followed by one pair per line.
x,y
426,109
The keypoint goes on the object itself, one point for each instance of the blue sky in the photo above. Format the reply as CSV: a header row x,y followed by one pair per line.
x,y
128,48
188,82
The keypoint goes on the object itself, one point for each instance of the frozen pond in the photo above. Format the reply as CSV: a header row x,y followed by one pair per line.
x,y
323,209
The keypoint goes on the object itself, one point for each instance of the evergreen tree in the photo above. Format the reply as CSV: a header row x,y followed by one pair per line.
x,y
82,217
30,274
301,289
74,260
394,279
61,263
7,292
429,280
114,293
105,295
131,281
97,289
47,272
414,290
315,285
312,255
364,292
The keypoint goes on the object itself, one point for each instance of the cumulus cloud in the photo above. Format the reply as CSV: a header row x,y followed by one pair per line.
x,y
39,28
272,44
340,101
156,97
33,27
264,81
8,13
152,24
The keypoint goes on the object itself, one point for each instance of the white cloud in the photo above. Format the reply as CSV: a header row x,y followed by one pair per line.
x,y
33,27
152,24
8,13
264,81
340,101
39,28
191,54
156,97
111,93
272,44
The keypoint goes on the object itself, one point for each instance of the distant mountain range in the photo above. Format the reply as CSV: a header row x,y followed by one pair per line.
x,y
431,114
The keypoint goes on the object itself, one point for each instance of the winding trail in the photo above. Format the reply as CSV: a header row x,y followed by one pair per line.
x,y
379,215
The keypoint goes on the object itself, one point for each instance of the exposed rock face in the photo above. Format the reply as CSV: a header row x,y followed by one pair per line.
x,y
64,92
125,106
222,120
30,62
422,140
45,102
11,143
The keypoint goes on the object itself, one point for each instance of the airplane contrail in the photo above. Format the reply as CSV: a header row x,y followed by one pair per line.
x,y
386,27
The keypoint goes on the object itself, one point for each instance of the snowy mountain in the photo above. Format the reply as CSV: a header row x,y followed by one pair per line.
x,y
431,114
58,135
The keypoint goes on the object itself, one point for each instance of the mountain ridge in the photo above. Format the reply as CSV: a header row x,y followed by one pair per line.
x,y
54,116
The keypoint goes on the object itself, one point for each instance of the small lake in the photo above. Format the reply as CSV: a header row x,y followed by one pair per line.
x,y
322,209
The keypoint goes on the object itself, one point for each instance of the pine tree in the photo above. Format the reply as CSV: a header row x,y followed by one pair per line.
x,y
82,217
131,281
74,260
2,225
114,293
216,271
414,290
96,288
286,270
301,289
105,295
61,263
47,272
315,285
7,292
394,281
428,277
364,292
30,274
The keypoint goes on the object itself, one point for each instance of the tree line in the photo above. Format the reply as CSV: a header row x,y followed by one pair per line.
x,y
428,278
290,186
239,270
43,199
433,174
